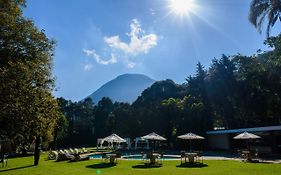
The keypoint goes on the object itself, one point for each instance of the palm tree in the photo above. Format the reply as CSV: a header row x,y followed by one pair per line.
x,y
259,9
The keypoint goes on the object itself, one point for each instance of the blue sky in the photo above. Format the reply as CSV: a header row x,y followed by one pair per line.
x,y
98,40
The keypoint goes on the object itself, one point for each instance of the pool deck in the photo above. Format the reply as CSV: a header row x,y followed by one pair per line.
x,y
260,160
177,157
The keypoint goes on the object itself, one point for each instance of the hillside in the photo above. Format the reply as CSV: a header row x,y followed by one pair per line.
x,y
124,88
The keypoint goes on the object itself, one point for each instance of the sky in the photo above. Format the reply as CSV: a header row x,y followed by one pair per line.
x,y
97,40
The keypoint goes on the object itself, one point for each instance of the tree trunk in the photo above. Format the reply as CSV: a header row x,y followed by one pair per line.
x,y
55,139
37,150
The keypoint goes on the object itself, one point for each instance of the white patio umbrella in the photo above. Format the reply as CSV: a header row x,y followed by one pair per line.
x,y
190,136
246,136
154,137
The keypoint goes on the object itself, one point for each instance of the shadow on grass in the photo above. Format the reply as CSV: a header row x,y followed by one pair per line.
x,y
101,165
192,165
147,165
257,162
17,168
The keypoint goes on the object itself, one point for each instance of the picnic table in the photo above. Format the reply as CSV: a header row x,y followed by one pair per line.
x,y
112,158
188,155
153,157
248,155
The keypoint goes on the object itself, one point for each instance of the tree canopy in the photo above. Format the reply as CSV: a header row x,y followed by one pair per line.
x,y
262,11
28,110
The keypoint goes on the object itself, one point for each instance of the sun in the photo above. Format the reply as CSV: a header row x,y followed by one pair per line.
x,y
182,7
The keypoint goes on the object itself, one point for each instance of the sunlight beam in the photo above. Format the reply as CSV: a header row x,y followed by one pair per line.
x,y
182,7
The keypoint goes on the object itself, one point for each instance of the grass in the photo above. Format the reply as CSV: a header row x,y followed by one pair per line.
x,y
23,166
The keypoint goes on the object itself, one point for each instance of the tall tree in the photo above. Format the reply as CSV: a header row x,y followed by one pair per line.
x,y
103,111
260,9
146,107
197,87
223,91
28,110
124,120
170,113
80,116
60,129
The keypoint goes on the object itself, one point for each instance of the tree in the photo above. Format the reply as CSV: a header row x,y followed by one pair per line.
x,y
170,113
195,117
197,88
28,110
60,129
223,92
80,119
259,9
124,121
103,111
146,107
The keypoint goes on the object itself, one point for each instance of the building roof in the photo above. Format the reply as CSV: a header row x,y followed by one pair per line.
x,y
258,129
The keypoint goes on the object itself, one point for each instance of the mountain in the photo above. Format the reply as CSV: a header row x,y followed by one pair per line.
x,y
124,88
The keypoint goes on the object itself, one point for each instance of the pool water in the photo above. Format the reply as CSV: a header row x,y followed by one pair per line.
x,y
139,157
95,156
136,157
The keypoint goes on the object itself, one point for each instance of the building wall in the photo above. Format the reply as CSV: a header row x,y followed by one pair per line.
x,y
219,141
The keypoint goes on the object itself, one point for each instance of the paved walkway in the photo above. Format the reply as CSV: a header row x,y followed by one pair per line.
x,y
260,160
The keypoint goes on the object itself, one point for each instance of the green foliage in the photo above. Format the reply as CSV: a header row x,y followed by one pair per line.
x,y
124,120
260,9
28,110
103,112
146,107
78,128
170,114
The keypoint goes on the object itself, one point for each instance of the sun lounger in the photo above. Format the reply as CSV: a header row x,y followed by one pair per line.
x,y
53,155
84,150
62,155
71,151
78,157
76,151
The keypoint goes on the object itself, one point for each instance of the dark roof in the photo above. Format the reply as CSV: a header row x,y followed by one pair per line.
x,y
258,129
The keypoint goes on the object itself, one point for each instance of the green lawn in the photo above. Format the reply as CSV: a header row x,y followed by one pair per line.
x,y
24,166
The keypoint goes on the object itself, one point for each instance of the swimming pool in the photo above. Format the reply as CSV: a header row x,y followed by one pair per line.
x,y
95,156
136,157
139,157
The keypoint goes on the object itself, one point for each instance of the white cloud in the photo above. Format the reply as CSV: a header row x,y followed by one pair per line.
x,y
152,11
88,67
139,42
131,65
98,59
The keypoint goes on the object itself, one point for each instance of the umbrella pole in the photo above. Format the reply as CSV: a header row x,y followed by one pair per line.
x,y
189,145
186,145
153,145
